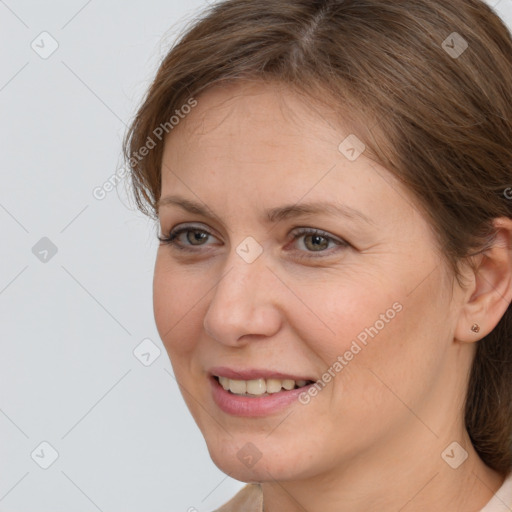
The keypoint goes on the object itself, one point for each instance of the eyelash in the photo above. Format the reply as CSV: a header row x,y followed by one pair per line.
x,y
171,237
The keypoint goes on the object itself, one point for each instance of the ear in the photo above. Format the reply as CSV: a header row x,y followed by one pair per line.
x,y
490,292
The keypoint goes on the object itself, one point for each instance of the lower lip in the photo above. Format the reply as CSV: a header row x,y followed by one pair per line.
x,y
252,407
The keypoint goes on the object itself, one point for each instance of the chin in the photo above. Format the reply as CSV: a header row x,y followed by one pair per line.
x,y
256,459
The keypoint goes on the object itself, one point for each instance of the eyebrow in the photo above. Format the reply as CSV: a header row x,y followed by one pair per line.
x,y
272,215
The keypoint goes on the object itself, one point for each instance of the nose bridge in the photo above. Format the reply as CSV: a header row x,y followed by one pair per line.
x,y
237,280
246,268
241,302
239,286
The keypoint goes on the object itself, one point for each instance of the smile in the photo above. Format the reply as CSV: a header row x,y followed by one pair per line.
x,y
259,387
256,397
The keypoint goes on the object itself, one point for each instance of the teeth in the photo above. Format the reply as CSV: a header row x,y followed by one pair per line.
x,y
224,382
288,384
273,385
238,386
258,387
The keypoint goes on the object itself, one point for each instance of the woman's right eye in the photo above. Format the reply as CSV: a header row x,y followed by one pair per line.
x,y
193,236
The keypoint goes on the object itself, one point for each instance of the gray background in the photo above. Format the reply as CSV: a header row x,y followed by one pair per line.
x,y
72,372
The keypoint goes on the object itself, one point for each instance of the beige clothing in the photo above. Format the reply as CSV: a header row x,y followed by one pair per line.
x,y
250,499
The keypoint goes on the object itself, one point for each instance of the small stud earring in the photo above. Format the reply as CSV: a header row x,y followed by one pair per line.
x,y
475,327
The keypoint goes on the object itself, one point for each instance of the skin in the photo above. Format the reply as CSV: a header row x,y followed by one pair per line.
x,y
372,439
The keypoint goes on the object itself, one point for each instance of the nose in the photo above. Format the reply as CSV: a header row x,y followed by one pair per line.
x,y
243,304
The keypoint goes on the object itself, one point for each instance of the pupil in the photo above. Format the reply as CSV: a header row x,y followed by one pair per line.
x,y
197,236
317,241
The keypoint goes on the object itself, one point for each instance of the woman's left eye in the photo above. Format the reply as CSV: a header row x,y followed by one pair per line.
x,y
314,240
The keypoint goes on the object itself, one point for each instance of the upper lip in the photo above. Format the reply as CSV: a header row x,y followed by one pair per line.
x,y
254,373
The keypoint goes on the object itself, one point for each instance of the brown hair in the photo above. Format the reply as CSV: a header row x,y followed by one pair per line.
x,y
435,113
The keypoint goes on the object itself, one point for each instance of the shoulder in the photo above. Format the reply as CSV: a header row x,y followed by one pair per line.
x,y
248,499
502,500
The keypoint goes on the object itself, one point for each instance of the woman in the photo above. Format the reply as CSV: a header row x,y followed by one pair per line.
x,y
332,182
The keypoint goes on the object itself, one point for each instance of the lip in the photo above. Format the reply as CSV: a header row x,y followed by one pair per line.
x,y
254,373
236,405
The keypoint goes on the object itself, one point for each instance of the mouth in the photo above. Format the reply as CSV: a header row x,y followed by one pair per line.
x,y
256,392
260,387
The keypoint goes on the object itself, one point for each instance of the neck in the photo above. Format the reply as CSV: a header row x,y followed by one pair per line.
x,y
392,478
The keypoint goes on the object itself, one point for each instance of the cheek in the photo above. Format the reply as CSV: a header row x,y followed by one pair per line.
x,y
364,327
344,315
175,306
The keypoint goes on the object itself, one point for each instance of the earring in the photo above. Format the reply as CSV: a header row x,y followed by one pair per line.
x,y
475,327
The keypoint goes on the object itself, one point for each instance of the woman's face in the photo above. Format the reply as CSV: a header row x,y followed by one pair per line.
x,y
363,307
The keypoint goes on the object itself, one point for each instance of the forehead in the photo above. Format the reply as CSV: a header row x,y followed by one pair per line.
x,y
266,141
249,107
251,131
